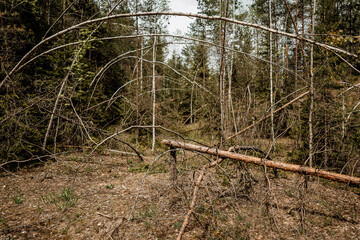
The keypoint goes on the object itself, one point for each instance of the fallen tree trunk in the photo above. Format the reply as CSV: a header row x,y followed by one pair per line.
x,y
263,162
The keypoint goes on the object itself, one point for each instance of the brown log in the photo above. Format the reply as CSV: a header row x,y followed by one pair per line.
x,y
263,162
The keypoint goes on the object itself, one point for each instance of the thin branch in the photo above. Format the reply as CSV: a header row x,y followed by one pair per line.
x,y
152,35
267,116
116,16
129,128
138,193
58,19
195,191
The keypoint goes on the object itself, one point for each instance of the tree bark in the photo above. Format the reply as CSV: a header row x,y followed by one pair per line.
x,y
222,73
311,138
230,70
154,95
271,81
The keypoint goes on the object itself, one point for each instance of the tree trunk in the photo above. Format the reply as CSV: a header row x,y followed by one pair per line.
x,y
296,45
343,118
271,80
154,93
137,72
230,70
311,140
221,75
263,162
191,104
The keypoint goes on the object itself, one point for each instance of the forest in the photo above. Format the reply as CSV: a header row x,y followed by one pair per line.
x,y
250,131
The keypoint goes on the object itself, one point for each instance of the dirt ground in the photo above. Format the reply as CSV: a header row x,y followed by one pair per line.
x,y
111,196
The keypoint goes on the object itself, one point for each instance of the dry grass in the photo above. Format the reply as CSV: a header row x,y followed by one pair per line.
x,y
84,198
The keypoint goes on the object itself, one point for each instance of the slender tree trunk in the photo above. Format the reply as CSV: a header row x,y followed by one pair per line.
x,y
297,113
137,71
343,118
250,101
296,45
47,133
203,67
141,63
48,12
230,70
191,104
311,140
271,79
230,101
221,75
154,92
63,19
326,155
303,33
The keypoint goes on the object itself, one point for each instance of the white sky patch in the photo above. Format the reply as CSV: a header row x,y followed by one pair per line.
x,y
180,25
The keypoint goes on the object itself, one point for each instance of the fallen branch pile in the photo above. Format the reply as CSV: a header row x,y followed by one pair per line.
x,y
221,155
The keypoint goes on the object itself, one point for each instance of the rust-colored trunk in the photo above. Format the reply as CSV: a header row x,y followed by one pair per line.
x,y
263,162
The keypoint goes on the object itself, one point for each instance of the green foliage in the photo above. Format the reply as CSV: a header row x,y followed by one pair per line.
x,y
155,168
118,98
63,200
28,99
148,211
110,186
18,198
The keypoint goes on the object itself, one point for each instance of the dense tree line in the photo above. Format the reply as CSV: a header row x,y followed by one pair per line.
x,y
227,77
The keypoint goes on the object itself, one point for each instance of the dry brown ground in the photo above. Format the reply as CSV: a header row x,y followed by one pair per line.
x,y
81,197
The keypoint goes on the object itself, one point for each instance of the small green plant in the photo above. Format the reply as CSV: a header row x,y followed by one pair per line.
x,y
68,169
65,231
177,225
289,193
121,178
110,186
63,200
327,222
147,212
156,168
5,227
221,216
73,158
225,181
147,225
240,218
18,199
89,169
39,209
138,168
200,209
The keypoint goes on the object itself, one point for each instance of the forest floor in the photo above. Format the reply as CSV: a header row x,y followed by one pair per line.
x,y
82,197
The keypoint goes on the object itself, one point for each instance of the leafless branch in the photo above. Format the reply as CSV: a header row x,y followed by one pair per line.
x,y
116,16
